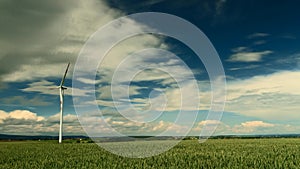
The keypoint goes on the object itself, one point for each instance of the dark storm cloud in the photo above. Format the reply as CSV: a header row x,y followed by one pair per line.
x,y
24,23
37,36
195,7
22,17
26,31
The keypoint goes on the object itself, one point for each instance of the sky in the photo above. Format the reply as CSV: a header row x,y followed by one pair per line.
x,y
257,42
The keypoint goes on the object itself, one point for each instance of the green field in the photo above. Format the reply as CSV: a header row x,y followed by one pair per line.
x,y
214,153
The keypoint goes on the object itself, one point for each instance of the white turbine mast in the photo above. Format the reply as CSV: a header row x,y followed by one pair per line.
x,y
61,88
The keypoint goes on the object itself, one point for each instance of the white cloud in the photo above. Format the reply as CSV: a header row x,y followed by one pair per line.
x,y
257,35
247,127
249,56
254,127
172,128
108,126
209,122
120,51
254,124
150,67
20,115
182,98
47,87
26,122
240,49
246,54
284,82
218,126
29,123
274,96
24,114
68,118
244,68
88,81
173,81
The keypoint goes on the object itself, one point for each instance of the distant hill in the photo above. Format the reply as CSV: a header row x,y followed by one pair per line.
x,y
38,137
258,136
132,138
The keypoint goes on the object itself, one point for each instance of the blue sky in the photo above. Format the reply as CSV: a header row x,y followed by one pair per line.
x,y
257,41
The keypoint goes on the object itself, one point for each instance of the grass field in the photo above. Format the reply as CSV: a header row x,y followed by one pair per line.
x,y
215,153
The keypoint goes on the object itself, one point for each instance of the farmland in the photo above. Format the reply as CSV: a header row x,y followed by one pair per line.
x,y
214,153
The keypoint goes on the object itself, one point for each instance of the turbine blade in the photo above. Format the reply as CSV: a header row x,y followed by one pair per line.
x,y
64,77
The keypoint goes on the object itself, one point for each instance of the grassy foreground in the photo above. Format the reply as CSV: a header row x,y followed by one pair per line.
x,y
221,153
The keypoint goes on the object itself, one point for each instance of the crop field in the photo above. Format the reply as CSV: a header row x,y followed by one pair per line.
x,y
214,153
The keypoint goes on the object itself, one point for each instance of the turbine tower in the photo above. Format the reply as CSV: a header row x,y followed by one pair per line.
x,y
61,88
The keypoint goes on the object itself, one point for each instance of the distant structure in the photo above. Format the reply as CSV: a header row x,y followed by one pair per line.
x,y
61,88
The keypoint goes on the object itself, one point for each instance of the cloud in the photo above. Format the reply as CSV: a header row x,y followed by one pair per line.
x,y
218,126
26,33
291,60
253,124
239,49
49,88
23,101
283,82
260,42
24,115
108,124
153,128
144,73
257,35
3,115
68,118
209,122
29,123
247,127
88,81
61,41
275,96
56,38
246,54
244,68
254,127
249,56
32,72
45,36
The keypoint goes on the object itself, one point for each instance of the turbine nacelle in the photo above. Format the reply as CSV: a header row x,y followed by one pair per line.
x,y
63,87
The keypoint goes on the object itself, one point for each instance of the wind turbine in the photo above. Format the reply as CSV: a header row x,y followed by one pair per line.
x,y
61,88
